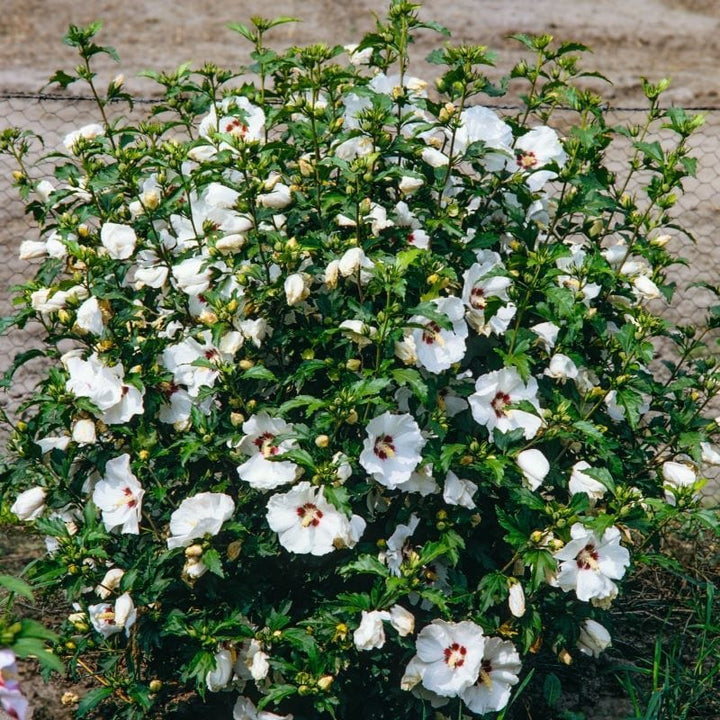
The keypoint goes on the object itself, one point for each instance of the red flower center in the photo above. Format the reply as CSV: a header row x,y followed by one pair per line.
x,y
455,655
431,333
587,558
237,128
384,447
499,403
526,160
131,502
477,298
264,443
309,514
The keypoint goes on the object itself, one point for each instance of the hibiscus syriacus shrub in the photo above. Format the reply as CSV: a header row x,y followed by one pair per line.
x,y
353,402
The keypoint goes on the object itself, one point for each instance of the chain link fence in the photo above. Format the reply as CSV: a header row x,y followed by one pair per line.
x,y
53,117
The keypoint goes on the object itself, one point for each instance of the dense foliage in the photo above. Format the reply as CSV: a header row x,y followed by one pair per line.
x,y
353,394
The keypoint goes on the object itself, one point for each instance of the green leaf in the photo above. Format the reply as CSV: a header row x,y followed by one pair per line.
x,y
651,150
16,585
244,30
276,694
365,565
91,700
552,689
34,629
259,373
339,497
412,378
212,559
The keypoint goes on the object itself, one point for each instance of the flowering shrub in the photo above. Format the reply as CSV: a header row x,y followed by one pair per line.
x,y
353,401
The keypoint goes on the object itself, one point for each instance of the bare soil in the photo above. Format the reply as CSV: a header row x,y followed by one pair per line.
x,y
630,38
656,38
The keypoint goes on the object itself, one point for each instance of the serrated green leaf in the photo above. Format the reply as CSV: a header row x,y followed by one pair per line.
x,y
212,559
16,585
91,700
412,378
365,565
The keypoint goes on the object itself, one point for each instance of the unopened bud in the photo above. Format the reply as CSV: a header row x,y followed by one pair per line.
x,y
322,441
193,551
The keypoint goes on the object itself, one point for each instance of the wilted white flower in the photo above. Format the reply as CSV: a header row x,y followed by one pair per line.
x,y
402,620
245,710
459,492
677,476
547,333
516,598
594,638
86,132
370,633
561,368
89,317
581,482
219,678
197,516
297,288
109,583
84,432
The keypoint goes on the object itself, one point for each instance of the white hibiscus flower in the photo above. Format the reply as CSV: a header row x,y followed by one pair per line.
x,y
392,449
449,656
307,523
259,471
109,619
119,496
499,670
589,564
438,348
495,392
396,544
533,151
459,492
482,283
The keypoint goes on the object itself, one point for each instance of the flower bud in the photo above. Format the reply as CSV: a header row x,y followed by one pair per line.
x,y
29,504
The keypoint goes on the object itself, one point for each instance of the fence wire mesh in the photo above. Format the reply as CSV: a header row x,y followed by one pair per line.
x,y
53,117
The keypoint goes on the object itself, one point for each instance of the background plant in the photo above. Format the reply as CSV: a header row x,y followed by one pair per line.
x,y
334,358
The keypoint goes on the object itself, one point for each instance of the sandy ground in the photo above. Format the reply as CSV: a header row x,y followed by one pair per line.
x,y
678,38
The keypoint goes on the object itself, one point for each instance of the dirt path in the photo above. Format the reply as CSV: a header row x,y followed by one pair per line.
x,y
630,37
